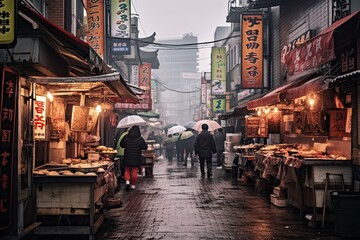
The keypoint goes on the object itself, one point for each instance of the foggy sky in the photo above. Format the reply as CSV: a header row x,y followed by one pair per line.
x,y
173,19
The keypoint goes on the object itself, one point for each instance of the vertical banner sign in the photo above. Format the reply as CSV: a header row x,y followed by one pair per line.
x,y
39,117
218,70
120,18
145,84
218,105
8,104
203,90
252,51
95,20
7,23
134,77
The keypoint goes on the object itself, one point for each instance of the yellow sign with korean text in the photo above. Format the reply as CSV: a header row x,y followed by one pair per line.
x,y
251,51
218,70
7,20
218,105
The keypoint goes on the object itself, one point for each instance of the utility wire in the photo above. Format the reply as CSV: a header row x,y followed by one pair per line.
x,y
174,89
142,27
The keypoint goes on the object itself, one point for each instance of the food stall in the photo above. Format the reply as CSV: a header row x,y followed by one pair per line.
x,y
307,145
148,160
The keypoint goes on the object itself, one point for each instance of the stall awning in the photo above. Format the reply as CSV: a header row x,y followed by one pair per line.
x,y
92,85
274,96
240,109
314,85
307,57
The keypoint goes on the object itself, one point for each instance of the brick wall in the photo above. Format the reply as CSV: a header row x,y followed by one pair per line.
x,y
56,12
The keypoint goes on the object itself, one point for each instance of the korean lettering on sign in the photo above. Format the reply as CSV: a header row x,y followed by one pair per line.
x,y
8,103
252,51
120,18
39,117
7,23
95,19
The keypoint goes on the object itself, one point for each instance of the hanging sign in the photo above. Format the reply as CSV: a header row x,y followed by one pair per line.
x,y
218,70
8,23
39,118
95,20
218,105
120,18
251,51
8,103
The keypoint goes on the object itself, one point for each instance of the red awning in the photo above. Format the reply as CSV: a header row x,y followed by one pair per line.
x,y
274,96
314,85
319,50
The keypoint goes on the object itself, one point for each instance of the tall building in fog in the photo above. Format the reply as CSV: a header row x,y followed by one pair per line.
x,y
179,80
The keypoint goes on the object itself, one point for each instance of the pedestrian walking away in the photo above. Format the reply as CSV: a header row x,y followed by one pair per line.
x,y
189,149
169,144
204,147
219,138
133,143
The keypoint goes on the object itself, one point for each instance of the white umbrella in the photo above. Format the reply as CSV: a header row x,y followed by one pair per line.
x,y
213,125
176,129
131,120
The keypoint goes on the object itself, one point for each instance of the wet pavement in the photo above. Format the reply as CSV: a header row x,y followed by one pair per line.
x,y
177,203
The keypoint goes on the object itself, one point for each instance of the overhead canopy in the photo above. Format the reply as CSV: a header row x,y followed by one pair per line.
x,y
314,85
274,96
95,85
307,57
62,61
240,109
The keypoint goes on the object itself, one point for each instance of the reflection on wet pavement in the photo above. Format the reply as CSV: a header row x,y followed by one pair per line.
x,y
177,203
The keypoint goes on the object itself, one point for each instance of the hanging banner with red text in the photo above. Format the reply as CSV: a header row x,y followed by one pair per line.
x,y
39,118
251,51
8,104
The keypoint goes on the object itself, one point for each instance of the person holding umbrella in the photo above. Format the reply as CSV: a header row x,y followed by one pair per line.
x,y
169,144
189,140
133,143
204,147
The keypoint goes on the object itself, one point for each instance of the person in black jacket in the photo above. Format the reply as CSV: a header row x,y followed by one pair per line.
x,y
205,147
133,144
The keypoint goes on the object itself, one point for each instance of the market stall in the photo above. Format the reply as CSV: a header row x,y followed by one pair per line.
x,y
70,197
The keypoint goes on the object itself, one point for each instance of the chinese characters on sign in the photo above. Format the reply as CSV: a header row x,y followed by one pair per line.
x,y
8,103
39,118
310,55
218,70
252,51
120,18
340,9
120,46
144,82
95,19
7,23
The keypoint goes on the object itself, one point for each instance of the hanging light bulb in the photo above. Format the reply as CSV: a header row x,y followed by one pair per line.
x,y
98,108
276,109
50,96
259,112
266,110
312,100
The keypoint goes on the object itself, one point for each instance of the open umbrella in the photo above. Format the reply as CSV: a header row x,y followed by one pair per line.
x,y
213,125
176,129
189,124
186,135
167,126
131,120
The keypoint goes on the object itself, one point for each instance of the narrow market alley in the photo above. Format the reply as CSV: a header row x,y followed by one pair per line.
x,y
177,203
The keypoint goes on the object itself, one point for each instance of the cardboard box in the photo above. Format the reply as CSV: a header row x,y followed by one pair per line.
x,y
279,202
